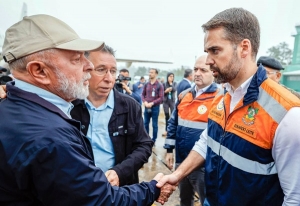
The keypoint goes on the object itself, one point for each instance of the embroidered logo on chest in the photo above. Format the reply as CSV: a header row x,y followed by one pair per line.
x,y
249,118
220,105
202,109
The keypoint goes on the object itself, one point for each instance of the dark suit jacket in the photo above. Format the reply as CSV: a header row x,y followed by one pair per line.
x,y
183,85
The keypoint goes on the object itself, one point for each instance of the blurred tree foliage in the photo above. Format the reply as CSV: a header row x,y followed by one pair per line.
x,y
178,72
282,53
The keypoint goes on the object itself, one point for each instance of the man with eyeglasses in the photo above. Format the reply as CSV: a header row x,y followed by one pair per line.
x,y
113,123
45,159
273,68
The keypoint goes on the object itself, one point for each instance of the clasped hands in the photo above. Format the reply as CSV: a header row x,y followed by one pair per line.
x,y
167,185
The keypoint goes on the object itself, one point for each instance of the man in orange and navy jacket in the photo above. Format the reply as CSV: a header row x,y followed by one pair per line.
x,y
185,126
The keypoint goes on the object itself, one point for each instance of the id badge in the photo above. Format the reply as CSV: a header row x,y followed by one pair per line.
x,y
153,93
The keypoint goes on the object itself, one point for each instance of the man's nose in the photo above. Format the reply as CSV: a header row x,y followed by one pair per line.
x,y
88,65
209,60
108,76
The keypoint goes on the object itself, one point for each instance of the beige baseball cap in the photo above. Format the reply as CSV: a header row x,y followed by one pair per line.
x,y
40,32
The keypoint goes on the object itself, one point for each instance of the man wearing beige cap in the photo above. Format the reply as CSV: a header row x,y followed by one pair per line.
x,y
44,158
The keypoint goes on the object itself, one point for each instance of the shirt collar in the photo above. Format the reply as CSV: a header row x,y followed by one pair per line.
x,y
243,88
200,91
62,104
188,80
108,103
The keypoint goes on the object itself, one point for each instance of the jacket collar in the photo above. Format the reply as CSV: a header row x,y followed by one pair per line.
x,y
212,88
253,90
32,97
120,103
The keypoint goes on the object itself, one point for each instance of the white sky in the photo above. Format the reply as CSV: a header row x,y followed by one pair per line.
x,y
165,30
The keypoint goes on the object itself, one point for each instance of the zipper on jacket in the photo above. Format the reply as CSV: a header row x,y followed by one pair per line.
x,y
221,140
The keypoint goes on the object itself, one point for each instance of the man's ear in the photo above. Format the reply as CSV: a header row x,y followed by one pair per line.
x,y
245,46
278,74
39,72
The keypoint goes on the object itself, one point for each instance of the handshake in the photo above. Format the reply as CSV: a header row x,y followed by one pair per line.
x,y
167,184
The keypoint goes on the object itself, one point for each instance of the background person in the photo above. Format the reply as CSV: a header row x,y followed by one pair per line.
x,y
186,82
123,85
138,87
186,124
152,97
274,68
169,97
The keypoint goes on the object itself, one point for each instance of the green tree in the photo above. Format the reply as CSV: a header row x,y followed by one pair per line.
x,y
141,71
282,53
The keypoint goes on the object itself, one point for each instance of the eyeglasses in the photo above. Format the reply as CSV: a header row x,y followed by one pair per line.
x,y
103,71
269,73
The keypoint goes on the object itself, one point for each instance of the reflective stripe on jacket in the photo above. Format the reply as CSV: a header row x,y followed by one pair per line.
x,y
188,121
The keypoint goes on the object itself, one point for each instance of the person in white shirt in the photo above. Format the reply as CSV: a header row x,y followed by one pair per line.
x,y
250,147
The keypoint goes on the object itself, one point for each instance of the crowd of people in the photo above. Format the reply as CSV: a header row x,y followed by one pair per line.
x,y
75,133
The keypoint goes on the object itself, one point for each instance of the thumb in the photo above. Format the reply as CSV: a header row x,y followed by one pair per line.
x,y
107,173
162,182
158,176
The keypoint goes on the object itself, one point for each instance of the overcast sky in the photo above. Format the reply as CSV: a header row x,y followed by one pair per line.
x,y
166,30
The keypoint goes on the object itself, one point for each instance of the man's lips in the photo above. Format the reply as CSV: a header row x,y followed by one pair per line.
x,y
214,73
105,88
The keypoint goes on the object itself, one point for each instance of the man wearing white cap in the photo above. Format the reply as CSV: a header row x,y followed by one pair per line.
x,y
44,158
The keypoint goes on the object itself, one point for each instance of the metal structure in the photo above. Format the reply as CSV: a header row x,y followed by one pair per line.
x,y
291,75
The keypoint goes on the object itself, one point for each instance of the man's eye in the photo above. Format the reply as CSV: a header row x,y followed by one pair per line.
x,y
100,70
113,72
214,51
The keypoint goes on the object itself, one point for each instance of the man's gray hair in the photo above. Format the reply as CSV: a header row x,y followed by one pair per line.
x,y
187,73
106,49
43,56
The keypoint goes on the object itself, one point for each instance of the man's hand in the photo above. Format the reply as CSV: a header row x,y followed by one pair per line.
x,y
165,191
112,177
2,91
170,160
148,104
125,87
171,179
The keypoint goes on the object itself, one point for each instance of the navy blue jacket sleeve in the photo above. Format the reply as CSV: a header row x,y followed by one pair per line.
x,y
171,131
136,97
65,175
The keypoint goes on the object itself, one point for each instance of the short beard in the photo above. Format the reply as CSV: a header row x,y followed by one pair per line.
x,y
229,72
69,88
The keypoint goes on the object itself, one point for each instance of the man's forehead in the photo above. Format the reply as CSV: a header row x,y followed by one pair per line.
x,y
214,38
271,69
98,57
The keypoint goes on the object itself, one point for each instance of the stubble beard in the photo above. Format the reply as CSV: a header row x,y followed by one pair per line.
x,y
230,71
